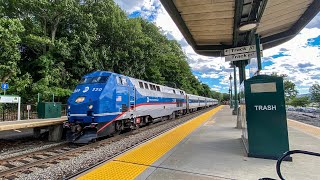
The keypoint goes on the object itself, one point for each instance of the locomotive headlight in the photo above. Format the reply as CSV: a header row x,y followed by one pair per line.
x,y
68,106
90,107
79,99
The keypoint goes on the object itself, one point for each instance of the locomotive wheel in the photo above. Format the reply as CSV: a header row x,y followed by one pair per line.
x,y
173,115
118,127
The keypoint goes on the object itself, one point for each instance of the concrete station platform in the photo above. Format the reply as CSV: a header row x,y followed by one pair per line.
x,y
54,125
209,147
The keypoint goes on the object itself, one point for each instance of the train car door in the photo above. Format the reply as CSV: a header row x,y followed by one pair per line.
x,y
132,94
122,94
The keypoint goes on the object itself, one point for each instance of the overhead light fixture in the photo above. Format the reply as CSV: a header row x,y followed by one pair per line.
x,y
248,26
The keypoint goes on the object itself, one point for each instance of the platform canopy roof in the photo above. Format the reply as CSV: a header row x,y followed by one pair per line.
x,y
210,26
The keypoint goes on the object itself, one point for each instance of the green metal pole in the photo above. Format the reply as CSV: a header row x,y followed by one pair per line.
x,y
230,91
235,110
258,52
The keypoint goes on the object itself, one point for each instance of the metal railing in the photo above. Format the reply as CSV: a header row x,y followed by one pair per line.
x,y
8,112
284,157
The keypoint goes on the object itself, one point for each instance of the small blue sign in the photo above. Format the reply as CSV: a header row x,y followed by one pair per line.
x,y
4,86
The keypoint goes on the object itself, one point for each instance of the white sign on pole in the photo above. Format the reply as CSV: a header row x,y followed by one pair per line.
x,y
238,57
243,49
9,99
12,99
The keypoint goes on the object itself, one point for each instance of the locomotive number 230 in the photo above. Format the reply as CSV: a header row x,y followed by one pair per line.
x,y
97,89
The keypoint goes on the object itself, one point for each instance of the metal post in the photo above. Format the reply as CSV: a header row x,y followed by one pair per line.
x,y
230,91
52,97
242,70
4,92
258,53
19,104
235,110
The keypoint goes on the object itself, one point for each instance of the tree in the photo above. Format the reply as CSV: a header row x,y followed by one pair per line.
x,y
225,97
315,93
10,30
302,101
290,90
216,95
47,46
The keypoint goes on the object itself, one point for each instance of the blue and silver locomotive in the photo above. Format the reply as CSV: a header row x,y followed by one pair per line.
x,y
105,103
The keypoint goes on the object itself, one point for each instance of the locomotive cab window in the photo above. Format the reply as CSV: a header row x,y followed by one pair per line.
x,y
123,81
118,80
98,79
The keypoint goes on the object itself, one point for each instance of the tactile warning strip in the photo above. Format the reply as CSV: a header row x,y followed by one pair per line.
x,y
134,162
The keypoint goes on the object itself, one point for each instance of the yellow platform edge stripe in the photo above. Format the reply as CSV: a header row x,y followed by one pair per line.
x,y
306,128
135,161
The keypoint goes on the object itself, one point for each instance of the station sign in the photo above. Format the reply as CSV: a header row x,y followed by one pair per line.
x,y
239,57
4,86
9,99
243,49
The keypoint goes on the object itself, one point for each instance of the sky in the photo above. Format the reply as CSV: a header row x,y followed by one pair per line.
x,y
299,58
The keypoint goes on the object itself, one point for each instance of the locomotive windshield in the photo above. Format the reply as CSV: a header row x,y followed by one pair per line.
x,y
98,79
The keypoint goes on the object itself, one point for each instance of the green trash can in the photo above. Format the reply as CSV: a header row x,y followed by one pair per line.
x,y
49,110
265,132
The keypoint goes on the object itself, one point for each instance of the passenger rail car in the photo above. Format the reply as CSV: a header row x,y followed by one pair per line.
x,y
105,103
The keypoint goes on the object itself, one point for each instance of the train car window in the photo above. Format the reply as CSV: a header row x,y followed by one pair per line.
x,y
146,86
158,88
173,91
141,85
151,87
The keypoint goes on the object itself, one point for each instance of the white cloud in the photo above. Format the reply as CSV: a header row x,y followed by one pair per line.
x,y
134,5
210,75
216,88
131,5
301,62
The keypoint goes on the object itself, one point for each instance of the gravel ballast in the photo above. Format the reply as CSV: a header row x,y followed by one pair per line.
x,y
307,118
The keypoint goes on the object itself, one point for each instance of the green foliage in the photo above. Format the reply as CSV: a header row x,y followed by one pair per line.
x,y
47,46
10,30
225,97
290,90
302,101
315,93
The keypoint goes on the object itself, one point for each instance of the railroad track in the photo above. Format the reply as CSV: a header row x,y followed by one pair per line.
x,y
14,167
